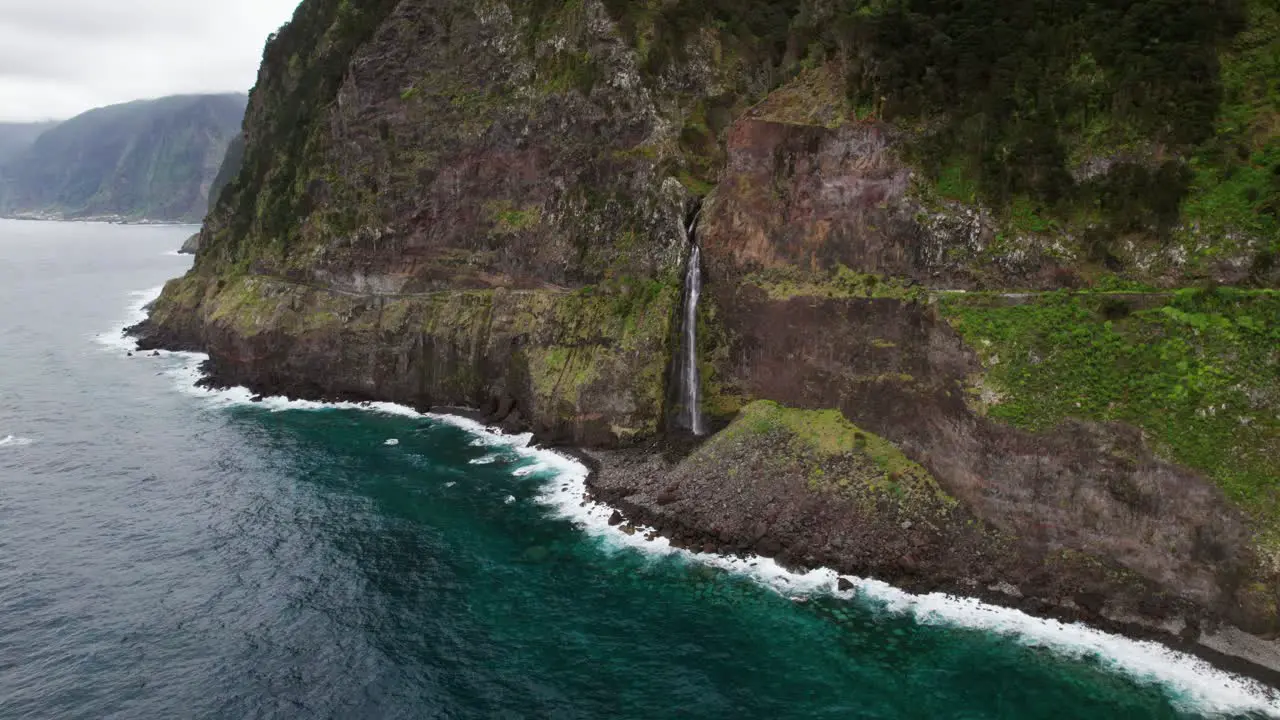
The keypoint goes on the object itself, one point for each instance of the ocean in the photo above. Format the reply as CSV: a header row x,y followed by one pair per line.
x,y
167,551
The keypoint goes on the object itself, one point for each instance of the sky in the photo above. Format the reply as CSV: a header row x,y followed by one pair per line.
x,y
59,58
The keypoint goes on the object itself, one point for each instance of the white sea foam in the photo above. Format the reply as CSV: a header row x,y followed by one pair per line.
x,y
116,339
486,460
1196,684
528,470
392,442
15,441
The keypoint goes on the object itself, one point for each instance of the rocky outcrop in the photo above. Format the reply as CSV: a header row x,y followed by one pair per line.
x,y
809,184
191,245
900,371
800,237
480,152
812,490
504,154
814,197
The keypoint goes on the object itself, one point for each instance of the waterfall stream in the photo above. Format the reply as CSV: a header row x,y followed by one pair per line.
x,y
690,382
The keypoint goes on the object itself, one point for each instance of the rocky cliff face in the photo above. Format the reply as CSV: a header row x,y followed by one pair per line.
x,y
153,160
581,367
484,204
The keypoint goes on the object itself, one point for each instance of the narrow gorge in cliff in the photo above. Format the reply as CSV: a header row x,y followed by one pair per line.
x,y
981,299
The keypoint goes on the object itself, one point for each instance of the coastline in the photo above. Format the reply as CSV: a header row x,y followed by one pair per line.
x,y
996,594
98,219
629,522
830,582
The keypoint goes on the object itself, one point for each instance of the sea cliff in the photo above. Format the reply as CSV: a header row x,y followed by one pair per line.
x,y
1033,362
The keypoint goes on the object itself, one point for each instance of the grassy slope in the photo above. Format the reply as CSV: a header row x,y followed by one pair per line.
x,y
1236,187
834,454
1200,374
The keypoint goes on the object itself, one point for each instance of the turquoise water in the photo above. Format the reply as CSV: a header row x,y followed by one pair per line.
x,y
168,553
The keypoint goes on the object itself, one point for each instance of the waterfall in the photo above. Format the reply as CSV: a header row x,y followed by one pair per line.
x,y
690,382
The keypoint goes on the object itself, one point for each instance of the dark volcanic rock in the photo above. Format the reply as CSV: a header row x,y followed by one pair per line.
x,y
514,423
504,408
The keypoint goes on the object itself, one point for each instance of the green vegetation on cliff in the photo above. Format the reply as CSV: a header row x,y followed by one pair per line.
x,y
603,332
835,454
786,282
565,355
1196,370
1113,118
152,159
302,67
1235,186
1111,123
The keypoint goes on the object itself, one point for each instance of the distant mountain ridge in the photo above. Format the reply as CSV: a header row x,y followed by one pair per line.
x,y
143,160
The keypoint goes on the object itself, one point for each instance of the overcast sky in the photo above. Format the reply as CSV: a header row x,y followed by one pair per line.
x,y
59,58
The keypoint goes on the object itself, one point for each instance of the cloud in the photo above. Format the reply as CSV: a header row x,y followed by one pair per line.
x,y
59,58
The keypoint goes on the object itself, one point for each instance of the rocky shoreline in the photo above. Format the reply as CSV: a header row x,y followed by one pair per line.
x,y
707,496
633,482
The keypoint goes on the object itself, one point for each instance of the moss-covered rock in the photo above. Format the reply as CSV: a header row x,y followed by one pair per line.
x,y
583,366
832,453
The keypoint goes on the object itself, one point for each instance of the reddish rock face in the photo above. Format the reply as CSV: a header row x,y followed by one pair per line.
x,y
460,147
813,197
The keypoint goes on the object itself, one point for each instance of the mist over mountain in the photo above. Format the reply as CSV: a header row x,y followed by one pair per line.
x,y
16,137
149,159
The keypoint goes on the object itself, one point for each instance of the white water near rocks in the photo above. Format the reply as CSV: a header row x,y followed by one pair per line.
x,y
1198,686
691,385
